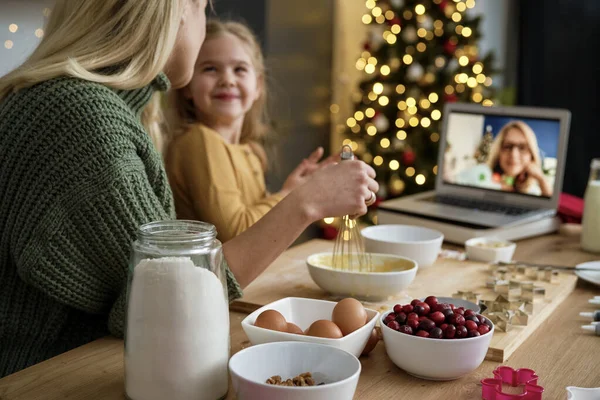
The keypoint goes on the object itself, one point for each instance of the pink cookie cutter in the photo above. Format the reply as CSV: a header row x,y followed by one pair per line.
x,y
491,388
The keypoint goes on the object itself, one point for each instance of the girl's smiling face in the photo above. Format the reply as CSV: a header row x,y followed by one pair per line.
x,y
225,84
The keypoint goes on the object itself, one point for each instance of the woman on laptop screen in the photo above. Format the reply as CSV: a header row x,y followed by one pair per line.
x,y
515,161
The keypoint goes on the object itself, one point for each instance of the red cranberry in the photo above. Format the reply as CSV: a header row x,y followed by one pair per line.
x,y
443,326
397,308
452,307
436,333
389,317
422,317
394,325
469,312
426,307
405,329
461,331
471,325
412,315
481,319
437,317
401,318
459,311
449,332
473,318
431,300
456,319
447,312
473,333
413,323
426,325
415,302
483,329
408,308
419,309
422,333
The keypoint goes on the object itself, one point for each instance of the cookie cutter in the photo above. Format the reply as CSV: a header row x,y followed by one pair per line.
x,y
491,388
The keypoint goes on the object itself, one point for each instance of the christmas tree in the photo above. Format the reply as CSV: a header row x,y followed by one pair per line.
x,y
419,54
483,150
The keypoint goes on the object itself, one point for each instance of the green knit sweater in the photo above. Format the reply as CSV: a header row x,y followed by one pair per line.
x,y
78,176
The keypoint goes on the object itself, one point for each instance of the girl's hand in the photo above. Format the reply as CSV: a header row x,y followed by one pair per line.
x,y
305,169
337,190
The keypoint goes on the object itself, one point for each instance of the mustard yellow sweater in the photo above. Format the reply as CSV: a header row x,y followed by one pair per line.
x,y
217,182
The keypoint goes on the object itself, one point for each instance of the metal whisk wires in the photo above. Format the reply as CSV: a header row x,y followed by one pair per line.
x,y
349,249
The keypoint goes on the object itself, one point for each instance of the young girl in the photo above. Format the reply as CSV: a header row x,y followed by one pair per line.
x,y
215,162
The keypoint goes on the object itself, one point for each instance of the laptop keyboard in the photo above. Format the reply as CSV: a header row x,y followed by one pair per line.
x,y
480,205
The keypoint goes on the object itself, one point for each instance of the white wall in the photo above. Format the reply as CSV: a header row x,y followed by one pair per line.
x,y
28,15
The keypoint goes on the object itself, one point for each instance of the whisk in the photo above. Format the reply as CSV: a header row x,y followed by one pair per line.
x,y
349,248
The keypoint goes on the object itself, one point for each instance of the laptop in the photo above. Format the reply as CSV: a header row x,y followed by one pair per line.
x,y
498,166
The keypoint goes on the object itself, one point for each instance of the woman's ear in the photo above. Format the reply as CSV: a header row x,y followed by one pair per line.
x,y
260,86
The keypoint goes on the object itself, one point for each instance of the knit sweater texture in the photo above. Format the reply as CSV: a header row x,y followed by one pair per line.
x,y
78,176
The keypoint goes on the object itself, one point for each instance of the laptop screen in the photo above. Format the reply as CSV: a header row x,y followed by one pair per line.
x,y
500,153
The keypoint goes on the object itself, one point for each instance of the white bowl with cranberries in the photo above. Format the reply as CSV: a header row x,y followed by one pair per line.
x,y
436,341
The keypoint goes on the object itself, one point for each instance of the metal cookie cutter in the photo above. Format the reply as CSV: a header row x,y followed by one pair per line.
x,y
491,388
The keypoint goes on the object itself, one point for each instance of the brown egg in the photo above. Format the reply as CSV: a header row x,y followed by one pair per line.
x,y
293,328
271,319
349,314
325,329
371,343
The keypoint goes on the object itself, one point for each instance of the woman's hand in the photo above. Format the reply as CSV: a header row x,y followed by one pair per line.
x,y
337,190
333,190
305,169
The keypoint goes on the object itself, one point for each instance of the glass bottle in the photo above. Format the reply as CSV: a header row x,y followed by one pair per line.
x,y
590,232
177,318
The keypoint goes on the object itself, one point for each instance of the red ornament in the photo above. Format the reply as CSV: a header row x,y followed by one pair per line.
x,y
408,157
443,4
449,47
450,98
329,232
395,21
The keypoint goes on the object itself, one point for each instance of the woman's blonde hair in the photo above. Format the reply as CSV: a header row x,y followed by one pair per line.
x,y
123,44
181,112
532,144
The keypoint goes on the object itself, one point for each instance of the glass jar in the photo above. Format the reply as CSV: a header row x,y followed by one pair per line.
x,y
590,231
177,315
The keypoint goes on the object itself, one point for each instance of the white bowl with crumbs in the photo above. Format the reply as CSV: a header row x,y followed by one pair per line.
x,y
334,371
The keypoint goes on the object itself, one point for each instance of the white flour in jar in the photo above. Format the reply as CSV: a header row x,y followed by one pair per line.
x,y
177,344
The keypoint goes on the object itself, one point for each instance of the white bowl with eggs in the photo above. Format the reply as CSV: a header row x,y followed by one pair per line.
x,y
435,359
415,242
390,276
303,312
489,249
336,370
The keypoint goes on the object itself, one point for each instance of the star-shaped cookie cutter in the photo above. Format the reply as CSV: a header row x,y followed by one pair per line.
x,y
491,388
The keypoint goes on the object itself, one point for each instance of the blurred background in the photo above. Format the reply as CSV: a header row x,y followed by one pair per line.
x,y
338,67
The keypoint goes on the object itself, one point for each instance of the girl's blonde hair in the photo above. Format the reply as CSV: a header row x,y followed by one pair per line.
x,y
123,44
532,144
181,112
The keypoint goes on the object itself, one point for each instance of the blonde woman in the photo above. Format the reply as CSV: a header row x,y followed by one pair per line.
x,y
79,173
515,159
215,162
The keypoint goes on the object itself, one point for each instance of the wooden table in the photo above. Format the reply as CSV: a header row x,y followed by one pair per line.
x,y
558,351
